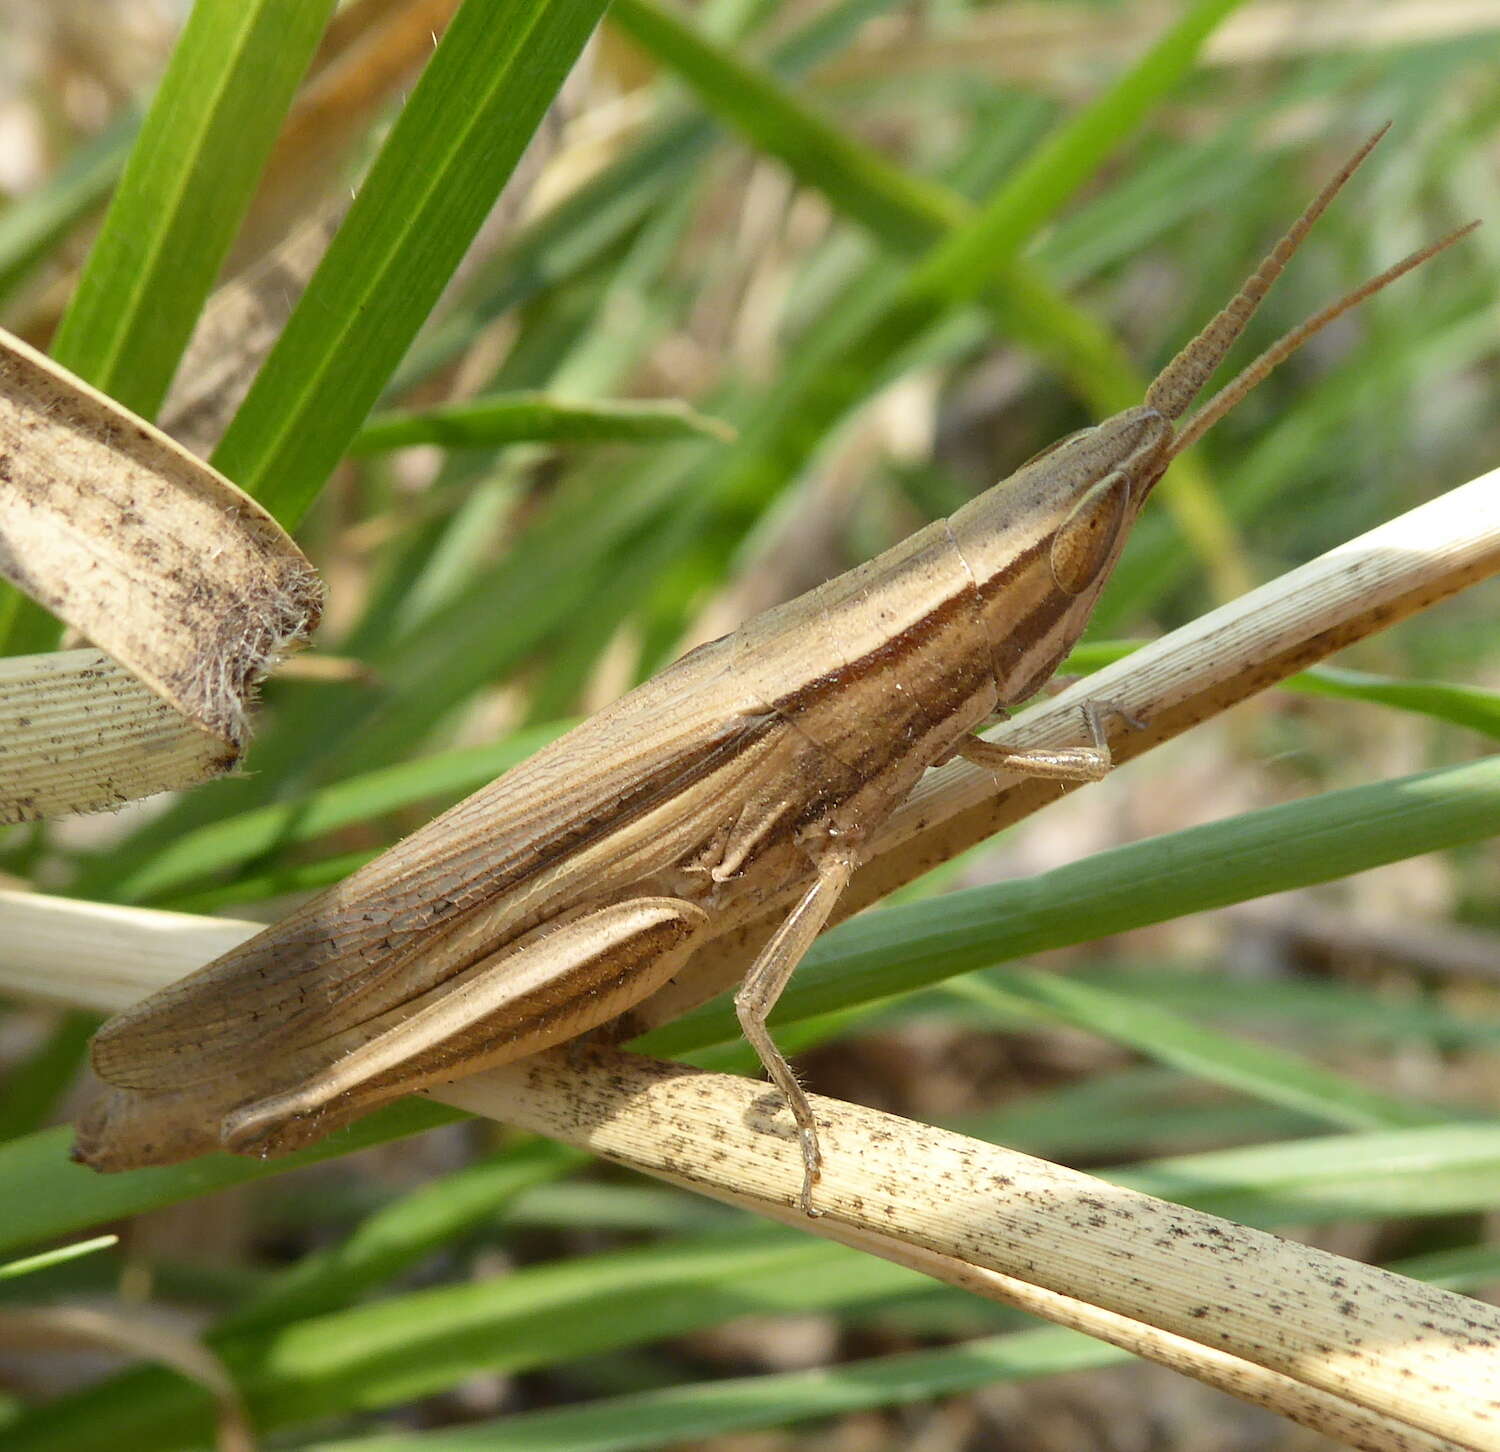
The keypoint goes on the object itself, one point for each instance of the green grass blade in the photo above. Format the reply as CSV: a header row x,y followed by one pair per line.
x,y
1438,1171
903,209
25,627
62,1196
561,243
1063,163
609,1205
278,880
185,188
400,1234
31,227
1305,1009
1469,706
33,1085
517,418
963,262
696,1412
61,1256
1271,850
575,233
880,318
581,341
408,1345
1465,1268
1166,191
455,143
1270,1074
908,213
692,1414
390,1351
1093,1120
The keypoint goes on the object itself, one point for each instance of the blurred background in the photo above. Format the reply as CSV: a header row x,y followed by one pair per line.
x,y
700,256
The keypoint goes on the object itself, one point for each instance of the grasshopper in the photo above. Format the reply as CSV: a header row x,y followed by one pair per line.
x,y
750,773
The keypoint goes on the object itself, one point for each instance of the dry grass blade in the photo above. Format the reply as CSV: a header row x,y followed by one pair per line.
x,y
1327,1412
243,319
1184,678
236,330
45,1327
1025,41
79,733
119,954
151,555
371,51
1372,1358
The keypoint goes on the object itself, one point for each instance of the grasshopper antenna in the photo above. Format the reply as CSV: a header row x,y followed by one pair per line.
x,y
1180,382
1283,348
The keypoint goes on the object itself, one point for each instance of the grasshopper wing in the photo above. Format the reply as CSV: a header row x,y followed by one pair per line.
x,y
515,854
552,984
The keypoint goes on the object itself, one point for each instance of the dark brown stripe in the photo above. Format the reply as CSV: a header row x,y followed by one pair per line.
x,y
880,657
1018,563
890,652
1033,626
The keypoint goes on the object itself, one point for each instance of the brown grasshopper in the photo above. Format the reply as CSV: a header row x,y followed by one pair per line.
x,y
751,772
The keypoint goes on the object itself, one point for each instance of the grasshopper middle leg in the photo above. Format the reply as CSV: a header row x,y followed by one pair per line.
x,y
763,984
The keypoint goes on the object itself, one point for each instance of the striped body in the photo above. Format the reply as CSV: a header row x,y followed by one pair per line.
x,y
746,775
812,721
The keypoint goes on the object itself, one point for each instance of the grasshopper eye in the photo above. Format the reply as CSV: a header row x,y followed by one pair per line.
x,y
1052,448
1085,539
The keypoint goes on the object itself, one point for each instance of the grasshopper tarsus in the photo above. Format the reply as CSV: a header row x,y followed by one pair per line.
x,y
812,1172
1055,763
1060,763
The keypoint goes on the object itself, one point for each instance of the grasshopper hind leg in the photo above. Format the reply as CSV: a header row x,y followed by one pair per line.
x,y
763,985
559,981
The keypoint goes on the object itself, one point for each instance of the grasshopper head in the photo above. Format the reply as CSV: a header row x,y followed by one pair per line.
x,y
1041,544
1075,500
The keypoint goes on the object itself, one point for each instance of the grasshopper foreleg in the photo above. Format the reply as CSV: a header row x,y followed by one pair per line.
x,y
1064,763
763,984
